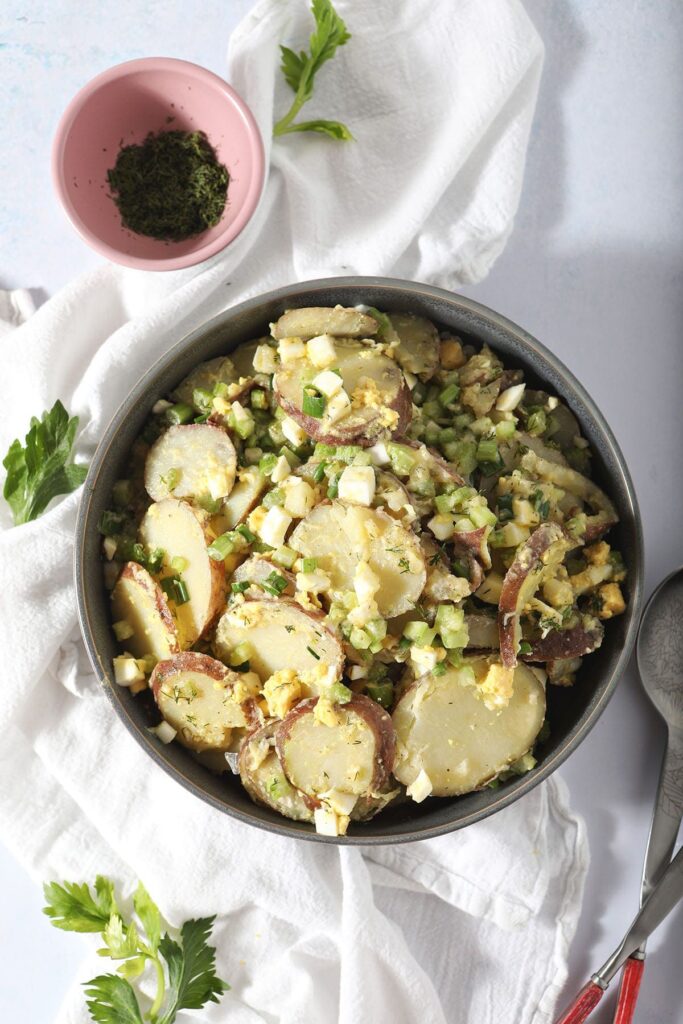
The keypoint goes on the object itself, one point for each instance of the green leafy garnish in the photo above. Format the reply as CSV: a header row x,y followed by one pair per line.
x,y
300,69
185,970
40,470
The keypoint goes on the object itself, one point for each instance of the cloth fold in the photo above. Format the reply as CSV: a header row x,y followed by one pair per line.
x,y
475,926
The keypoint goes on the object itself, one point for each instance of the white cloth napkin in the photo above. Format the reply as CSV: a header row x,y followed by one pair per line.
x,y
473,927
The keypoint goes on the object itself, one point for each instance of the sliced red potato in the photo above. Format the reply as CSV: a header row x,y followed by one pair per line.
x,y
265,781
220,370
256,571
243,357
353,756
366,807
282,635
191,461
482,632
565,644
140,602
442,584
380,397
311,321
535,560
448,742
182,534
339,536
475,543
418,348
605,515
538,447
244,497
203,700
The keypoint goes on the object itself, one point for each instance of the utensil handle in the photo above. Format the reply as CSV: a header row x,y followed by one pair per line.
x,y
628,991
584,1004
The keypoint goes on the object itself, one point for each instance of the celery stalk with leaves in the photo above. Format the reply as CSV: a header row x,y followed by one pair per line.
x,y
184,971
301,68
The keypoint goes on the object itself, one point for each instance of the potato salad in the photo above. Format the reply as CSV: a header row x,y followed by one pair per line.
x,y
347,559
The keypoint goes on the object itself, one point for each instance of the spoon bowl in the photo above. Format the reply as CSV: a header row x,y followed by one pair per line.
x,y
660,649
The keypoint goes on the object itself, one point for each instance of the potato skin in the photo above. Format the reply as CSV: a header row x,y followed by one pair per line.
x,y
372,714
311,321
528,560
298,806
140,577
564,644
187,661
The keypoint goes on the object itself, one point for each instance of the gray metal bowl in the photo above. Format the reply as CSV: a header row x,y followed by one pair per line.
x,y
572,712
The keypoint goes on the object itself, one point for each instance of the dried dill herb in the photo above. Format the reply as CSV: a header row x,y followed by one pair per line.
x,y
170,187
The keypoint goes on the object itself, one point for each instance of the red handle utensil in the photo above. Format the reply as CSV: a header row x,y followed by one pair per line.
x,y
584,1004
628,991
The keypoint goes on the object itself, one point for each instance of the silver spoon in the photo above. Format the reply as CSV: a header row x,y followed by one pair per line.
x,y
660,657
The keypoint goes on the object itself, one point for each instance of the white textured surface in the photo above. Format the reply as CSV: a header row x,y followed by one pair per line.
x,y
593,269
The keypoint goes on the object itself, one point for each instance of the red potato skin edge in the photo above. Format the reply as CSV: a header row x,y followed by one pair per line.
x,y
135,572
245,776
562,644
188,661
508,613
359,435
367,328
374,716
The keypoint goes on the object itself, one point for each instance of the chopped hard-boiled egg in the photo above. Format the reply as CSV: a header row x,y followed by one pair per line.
x,y
379,455
281,691
281,470
327,823
510,398
337,407
423,659
109,545
219,482
264,359
274,527
295,434
299,497
328,383
164,732
324,712
127,671
420,788
316,582
357,484
441,526
321,350
341,803
497,687
291,349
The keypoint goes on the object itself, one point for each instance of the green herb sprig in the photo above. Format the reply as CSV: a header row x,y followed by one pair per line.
x,y
40,469
185,971
300,70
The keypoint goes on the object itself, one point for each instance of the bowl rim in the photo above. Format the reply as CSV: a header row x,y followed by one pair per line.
x,y
514,789
202,252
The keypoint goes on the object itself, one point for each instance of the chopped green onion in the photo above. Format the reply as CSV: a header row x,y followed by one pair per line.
x,y
209,504
291,457
419,393
461,568
239,588
419,633
324,451
432,410
179,564
240,655
505,429
285,557
314,653
439,669
313,404
449,394
444,503
487,450
524,647
175,588
154,561
274,583
244,530
432,433
333,486
221,547
274,497
258,399
171,479
180,413
481,515
338,693
319,472
536,423
381,692
401,458
110,523
360,639
541,504
202,398
309,564
267,464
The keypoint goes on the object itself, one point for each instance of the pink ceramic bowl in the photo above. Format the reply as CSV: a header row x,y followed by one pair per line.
x,y
121,106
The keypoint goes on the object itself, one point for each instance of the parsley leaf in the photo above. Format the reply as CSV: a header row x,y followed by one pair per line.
x,y
299,70
73,907
192,978
39,470
185,972
111,1000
